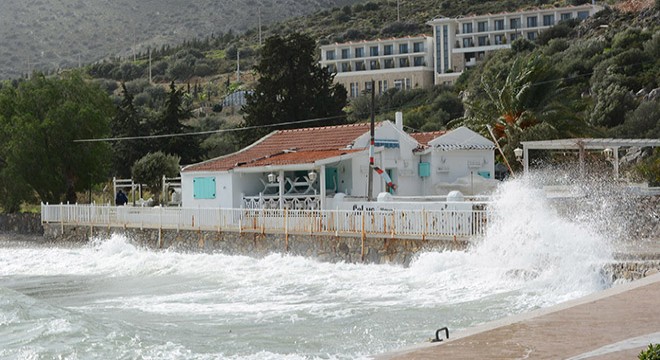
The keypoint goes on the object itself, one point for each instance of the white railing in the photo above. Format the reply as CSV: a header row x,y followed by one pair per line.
x,y
415,224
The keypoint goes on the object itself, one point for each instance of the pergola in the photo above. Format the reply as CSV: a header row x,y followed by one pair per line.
x,y
610,148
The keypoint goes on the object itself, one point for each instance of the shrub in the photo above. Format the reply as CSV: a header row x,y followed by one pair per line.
x,y
653,351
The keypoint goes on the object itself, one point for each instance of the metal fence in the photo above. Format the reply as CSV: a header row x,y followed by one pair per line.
x,y
415,224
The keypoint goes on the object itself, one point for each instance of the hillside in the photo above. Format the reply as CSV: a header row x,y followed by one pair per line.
x,y
47,34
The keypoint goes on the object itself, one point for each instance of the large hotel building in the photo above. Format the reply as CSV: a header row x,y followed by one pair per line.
x,y
456,44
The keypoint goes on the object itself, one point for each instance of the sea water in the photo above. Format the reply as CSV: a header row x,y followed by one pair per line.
x,y
112,300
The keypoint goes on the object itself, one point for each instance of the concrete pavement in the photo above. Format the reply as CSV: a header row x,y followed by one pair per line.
x,y
616,323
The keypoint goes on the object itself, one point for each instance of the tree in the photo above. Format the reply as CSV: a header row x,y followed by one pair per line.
x,y
126,123
170,122
150,169
291,86
40,120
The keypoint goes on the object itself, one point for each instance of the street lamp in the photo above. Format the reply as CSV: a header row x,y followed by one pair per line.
x,y
271,178
518,152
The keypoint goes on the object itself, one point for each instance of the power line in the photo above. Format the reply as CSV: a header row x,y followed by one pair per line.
x,y
210,131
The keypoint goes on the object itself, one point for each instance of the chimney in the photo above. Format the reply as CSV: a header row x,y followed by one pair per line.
x,y
398,116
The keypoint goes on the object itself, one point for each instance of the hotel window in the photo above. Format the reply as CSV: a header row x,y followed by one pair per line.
x,y
373,51
467,28
513,37
531,35
355,90
408,83
532,21
418,47
499,24
359,66
403,48
374,64
566,16
583,14
515,24
419,61
359,52
548,20
389,63
483,40
445,44
367,87
404,62
399,84
467,43
345,67
482,26
345,53
332,68
388,49
499,39
330,55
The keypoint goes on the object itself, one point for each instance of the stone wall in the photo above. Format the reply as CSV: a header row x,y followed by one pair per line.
x,y
321,247
21,223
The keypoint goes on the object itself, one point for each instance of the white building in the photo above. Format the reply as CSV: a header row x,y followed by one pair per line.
x,y
402,63
307,168
461,42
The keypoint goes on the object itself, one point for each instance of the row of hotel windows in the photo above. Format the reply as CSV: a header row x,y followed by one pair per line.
x,y
532,21
381,86
376,64
497,39
374,51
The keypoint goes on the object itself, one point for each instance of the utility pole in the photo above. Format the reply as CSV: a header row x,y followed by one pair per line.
x,y
238,66
398,14
372,144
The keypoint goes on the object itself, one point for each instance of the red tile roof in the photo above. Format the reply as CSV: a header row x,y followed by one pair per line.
x,y
285,147
424,138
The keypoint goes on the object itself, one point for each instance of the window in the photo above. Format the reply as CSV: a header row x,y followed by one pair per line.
x,y
359,52
345,53
330,55
388,49
332,68
515,23
513,37
445,43
374,65
467,28
499,24
531,35
403,48
373,51
418,47
398,84
582,15
355,89
482,26
204,188
566,16
483,40
367,87
345,67
419,61
389,63
359,66
548,20
403,62
499,39
532,21
467,43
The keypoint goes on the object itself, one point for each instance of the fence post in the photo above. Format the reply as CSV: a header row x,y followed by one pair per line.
x,y
425,224
363,234
286,229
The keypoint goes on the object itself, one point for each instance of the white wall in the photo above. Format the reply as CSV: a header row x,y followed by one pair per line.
x,y
224,191
448,166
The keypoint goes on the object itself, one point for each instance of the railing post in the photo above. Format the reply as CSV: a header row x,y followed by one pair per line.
x,y
424,218
363,235
286,229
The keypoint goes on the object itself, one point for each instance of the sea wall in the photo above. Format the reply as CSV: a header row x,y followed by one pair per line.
x,y
21,223
322,247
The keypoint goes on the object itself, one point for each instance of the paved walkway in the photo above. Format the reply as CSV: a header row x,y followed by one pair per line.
x,y
616,323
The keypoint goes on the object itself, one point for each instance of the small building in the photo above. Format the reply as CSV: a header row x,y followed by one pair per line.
x,y
309,168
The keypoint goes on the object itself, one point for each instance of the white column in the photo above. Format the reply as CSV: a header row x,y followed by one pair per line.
x,y
282,182
322,186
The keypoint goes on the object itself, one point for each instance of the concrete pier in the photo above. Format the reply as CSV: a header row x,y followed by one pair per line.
x,y
617,323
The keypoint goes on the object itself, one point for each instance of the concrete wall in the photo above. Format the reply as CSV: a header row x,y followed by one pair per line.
x,y
21,223
323,248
